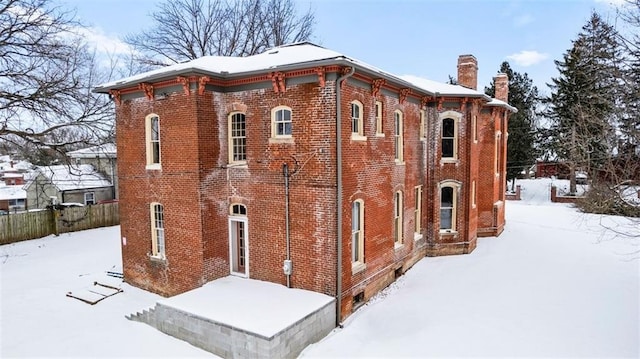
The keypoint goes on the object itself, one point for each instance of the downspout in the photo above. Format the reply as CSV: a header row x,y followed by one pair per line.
x,y
339,194
287,265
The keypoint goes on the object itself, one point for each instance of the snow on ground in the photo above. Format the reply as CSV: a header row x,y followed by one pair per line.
x,y
37,319
556,283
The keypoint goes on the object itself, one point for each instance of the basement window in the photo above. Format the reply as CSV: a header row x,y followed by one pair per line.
x,y
358,301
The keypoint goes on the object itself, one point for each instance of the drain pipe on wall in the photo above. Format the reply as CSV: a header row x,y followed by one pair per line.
x,y
288,265
339,194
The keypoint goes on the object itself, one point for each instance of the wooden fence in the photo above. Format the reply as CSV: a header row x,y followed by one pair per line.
x,y
30,225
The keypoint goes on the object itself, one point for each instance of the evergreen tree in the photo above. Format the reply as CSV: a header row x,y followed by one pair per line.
x,y
582,105
523,95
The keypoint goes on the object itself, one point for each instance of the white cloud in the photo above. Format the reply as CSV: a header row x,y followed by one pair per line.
x,y
523,20
527,58
104,43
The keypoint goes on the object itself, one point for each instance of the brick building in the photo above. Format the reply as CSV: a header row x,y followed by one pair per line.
x,y
304,158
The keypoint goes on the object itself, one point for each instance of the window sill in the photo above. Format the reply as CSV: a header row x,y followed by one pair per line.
x,y
398,245
357,137
280,140
158,259
423,139
238,165
417,236
449,160
357,267
399,163
449,231
154,167
381,135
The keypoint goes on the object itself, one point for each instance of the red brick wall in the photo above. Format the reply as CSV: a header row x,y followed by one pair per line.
x,y
197,186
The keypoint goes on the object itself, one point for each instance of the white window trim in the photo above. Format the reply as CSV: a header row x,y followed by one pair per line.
x,y
358,264
421,130
230,139
398,137
474,199
474,128
274,136
359,135
379,119
398,220
455,185
155,253
93,197
417,213
244,219
497,148
456,117
150,165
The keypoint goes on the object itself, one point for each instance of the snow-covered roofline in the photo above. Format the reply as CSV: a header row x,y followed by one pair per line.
x,y
284,58
107,150
500,103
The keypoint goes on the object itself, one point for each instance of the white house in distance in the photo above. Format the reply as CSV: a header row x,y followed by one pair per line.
x,y
103,158
12,198
67,183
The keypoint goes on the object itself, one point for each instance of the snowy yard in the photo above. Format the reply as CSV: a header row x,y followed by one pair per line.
x,y
555,283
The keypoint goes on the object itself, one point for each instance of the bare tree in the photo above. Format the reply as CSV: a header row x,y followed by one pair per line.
x,y
46,77
188,29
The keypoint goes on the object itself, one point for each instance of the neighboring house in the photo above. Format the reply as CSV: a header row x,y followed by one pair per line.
x,y
103,158
12,172
12,198
382,170
68,184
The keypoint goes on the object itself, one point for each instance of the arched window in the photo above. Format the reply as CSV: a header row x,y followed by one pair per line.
x,y
152,135
397,218
237,138
238,209
281,122
357,127
379,129
357,231
449,134
157,230
448,206
448,138
398,136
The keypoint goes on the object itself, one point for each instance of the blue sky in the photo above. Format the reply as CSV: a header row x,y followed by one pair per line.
x,y
422,38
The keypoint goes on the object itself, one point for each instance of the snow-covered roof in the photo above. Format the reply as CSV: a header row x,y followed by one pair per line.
x,y
500,103
303,54
71,177
12,192
17,166
107,150
11,175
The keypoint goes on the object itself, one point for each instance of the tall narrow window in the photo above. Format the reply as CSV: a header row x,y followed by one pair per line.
x,y
447,208
398,136
357,231
157,231
474,128
282,123
379,130
421,130
237,138
448,138
474,197
418,210
238,240
397,218
498,152
357,125
152,125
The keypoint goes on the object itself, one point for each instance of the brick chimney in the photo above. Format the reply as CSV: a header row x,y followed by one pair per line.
x,y
468,71
501,82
